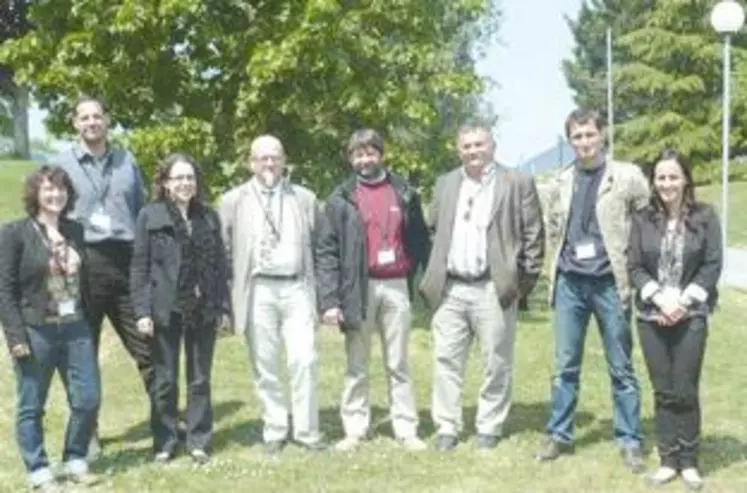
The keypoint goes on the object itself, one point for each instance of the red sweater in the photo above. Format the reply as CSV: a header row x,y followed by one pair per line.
x,y
383,220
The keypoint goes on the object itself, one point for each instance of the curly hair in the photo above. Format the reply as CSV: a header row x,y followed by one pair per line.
x,y
55,175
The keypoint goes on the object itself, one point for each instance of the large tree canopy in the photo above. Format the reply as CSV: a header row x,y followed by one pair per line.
x,y
667,74
205,76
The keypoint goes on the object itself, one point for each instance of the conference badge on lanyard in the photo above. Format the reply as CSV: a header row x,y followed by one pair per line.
x,y
100,220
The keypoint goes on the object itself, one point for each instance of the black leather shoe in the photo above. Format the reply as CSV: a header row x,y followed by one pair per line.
x,y
274,447
446,443
633,459
487,442
551,450
319,446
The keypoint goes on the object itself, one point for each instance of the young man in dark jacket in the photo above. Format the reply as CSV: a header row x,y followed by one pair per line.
x,y
371,241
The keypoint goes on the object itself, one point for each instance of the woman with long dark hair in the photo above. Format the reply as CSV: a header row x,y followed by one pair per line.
x,y
179,289
675,263
43,313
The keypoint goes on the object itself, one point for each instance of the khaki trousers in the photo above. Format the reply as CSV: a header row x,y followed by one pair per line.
x,y
388,313
469,311
283,316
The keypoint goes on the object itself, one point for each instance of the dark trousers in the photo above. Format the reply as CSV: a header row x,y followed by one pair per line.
x,y
109,295
67,349
199,346
674,357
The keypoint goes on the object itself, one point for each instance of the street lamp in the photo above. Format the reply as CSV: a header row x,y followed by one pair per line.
x,y
727,18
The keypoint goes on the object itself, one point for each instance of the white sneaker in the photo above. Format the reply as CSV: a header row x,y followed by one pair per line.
x,y
692,479
412,444
348,444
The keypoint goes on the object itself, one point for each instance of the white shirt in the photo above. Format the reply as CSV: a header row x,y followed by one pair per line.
x,y
468,251
277,244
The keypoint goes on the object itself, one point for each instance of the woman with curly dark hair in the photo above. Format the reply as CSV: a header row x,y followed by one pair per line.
x,y
675,262
43,313
179,286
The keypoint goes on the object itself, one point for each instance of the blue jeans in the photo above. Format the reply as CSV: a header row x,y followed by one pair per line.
x,y
576,299
67,348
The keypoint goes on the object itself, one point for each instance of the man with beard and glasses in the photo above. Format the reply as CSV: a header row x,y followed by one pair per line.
x,y
110,191
487,253
374,238
268,230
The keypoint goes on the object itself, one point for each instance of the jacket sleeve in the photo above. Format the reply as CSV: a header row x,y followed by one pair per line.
x,y
224,270
707,276
226,212
420,230
642,280
327,255
11,247
532,254
140,289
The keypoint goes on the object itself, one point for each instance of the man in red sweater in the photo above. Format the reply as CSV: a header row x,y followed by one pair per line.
x,y
372,239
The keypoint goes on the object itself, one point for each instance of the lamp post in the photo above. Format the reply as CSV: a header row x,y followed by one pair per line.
x,y
727,18
610,99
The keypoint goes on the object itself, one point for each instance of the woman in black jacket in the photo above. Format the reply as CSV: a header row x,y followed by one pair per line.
x,y
675,262
179,289
42,310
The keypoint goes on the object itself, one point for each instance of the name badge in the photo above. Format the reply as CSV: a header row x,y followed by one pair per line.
x,y
386,257
101,221
65,308
585,251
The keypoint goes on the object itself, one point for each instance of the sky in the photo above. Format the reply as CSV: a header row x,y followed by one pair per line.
x,y
533,99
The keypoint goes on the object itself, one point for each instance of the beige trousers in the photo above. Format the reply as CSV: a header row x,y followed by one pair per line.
x,y
469,311
388,313
283,317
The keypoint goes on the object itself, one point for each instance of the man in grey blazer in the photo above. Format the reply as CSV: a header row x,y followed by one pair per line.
x,y
487,253
268,229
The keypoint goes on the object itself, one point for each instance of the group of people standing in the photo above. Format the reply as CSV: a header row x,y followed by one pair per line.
x,y
269,263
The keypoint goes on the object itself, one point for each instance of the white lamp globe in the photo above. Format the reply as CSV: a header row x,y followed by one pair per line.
x,y
727,17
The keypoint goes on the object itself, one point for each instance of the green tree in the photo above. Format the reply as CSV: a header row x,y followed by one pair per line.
x,y
14,97
667,76
205,76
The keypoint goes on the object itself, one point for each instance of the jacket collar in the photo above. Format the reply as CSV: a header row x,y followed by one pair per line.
x,y
400,185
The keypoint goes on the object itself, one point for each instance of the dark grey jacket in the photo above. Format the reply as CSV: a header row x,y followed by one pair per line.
x,y
24,263
702,256
341,248
156,257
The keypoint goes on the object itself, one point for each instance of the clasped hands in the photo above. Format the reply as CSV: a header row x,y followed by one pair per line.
x,y
671,305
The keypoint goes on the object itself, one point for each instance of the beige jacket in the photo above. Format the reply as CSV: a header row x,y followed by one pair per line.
x,y
623,190
241,218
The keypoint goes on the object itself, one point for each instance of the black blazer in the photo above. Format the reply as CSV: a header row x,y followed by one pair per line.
x,y
24,267
156,258
702,256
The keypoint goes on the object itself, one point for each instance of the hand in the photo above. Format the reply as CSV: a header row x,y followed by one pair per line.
x,y
20,351
333,316
671,308
145,326
224,324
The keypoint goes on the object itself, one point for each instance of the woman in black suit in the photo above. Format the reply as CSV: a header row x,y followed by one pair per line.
x,y
675,262
179,290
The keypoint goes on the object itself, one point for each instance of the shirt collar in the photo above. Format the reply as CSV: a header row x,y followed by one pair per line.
x,y
81,153
599,162
487,173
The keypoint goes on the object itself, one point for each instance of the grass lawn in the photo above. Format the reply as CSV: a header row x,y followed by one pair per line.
x,y
380,466
737,209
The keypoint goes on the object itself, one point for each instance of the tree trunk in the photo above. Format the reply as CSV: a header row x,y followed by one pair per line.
x,y
21,122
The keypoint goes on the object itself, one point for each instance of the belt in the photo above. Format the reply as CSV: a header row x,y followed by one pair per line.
x,y
278,277
485,276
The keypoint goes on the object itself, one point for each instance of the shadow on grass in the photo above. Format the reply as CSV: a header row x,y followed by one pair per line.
x,y
141,431
602,430
721,451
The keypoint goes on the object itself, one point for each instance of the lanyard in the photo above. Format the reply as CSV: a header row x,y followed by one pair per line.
x,y
267,209
60,260
386,231
106,174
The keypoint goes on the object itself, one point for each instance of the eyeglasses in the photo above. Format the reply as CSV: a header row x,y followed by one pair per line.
x,y
187,178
